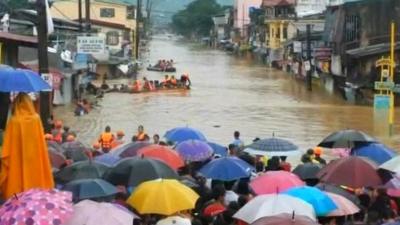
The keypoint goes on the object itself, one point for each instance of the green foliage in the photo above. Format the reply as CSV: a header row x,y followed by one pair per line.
x,y
17,4
196,19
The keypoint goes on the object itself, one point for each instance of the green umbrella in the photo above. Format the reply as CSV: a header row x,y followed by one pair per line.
x,y
90,189
81,170
133,171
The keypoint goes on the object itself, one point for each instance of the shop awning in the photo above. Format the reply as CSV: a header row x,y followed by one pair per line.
x,y
371,50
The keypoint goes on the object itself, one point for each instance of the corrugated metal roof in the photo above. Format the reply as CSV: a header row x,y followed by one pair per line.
x,y
119,2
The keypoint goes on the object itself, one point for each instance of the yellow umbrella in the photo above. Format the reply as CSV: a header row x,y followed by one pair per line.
x,y
25,161
162,196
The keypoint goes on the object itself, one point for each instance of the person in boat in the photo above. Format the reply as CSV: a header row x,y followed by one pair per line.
x,y
185,81
173,81
105,139
146,85
136,86
152,85
166,81
141,135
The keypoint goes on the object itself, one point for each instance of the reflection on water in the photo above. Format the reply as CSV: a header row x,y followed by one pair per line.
x,y
228,94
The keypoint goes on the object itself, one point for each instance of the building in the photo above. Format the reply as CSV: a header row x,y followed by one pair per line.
x,y
310,7
221,29
115,20
241,16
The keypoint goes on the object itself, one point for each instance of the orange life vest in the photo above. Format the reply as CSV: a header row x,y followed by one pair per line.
x,y
106,139
116,143
173,81
141,136
137,86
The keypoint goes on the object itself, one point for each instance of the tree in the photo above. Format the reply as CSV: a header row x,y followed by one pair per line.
x,y
17,4
196,18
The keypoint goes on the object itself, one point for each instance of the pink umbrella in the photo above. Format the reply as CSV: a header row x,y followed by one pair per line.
x,y
37,206
344,206
275,182
393,192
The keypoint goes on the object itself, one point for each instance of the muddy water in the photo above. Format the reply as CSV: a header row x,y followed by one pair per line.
x,y
228,94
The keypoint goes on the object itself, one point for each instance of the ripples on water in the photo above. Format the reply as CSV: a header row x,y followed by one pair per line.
x,y
228,94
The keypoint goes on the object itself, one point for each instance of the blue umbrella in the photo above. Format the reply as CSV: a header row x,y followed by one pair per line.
x,y
108,159
272,147
194,150
90,189
218,149
21,81
226,169
181,134
321,202
374,151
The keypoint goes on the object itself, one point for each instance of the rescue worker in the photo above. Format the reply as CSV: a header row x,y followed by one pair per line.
x,y
166,81
146,84
105,140
136,86
57,131
119,140
185,81
173,81
141,135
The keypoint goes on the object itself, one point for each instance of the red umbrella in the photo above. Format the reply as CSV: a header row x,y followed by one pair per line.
x,y
275,182
162,153
353,171
285,219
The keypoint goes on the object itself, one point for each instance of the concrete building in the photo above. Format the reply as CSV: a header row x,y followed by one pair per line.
x,y
241,15
310,7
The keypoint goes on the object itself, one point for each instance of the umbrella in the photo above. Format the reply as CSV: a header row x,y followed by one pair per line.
x,y
164,197
25,160
285,219
181,134
392,165
321,202
218,149
37,206
194,150
162,153
272,205
81,170
344,206
88,212
307,171
52,145
352,171
226,169
375,151
174,220
272,147
133,171
75,150
129,150
108,159
57,159
340,191
90,189
275,182
346,139
18,80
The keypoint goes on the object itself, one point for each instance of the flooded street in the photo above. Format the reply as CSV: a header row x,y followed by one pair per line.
x,y
228,94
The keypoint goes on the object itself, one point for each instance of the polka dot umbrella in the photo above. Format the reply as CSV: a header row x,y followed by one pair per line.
x,y
37,206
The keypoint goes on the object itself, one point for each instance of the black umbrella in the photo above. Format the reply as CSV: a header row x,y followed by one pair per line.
x,y
307,171
346,139
90,189
81,170
133,171
340,191
130,149
272,147
75,150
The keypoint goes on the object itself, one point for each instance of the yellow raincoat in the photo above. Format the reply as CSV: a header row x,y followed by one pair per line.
x,y
25,162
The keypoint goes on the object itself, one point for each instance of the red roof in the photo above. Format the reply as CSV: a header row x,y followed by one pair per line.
x,y
18,39
272,3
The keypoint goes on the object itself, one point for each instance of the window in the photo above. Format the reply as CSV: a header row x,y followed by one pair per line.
x,y
112,38
107,12
285,33
352,28
130,12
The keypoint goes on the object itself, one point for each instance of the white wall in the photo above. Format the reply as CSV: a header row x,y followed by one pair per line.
x,y
309,7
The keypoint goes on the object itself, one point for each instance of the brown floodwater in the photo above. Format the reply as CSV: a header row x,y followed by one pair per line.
x,y
228,94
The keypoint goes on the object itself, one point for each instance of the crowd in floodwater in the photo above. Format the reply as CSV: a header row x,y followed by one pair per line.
x,y
219,200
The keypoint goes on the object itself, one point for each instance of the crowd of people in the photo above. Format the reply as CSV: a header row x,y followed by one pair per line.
x,y
220,200
164,64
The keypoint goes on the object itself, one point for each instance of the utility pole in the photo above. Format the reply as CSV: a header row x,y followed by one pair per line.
x,y
87,15
80,15
43,62
308,62
138,19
